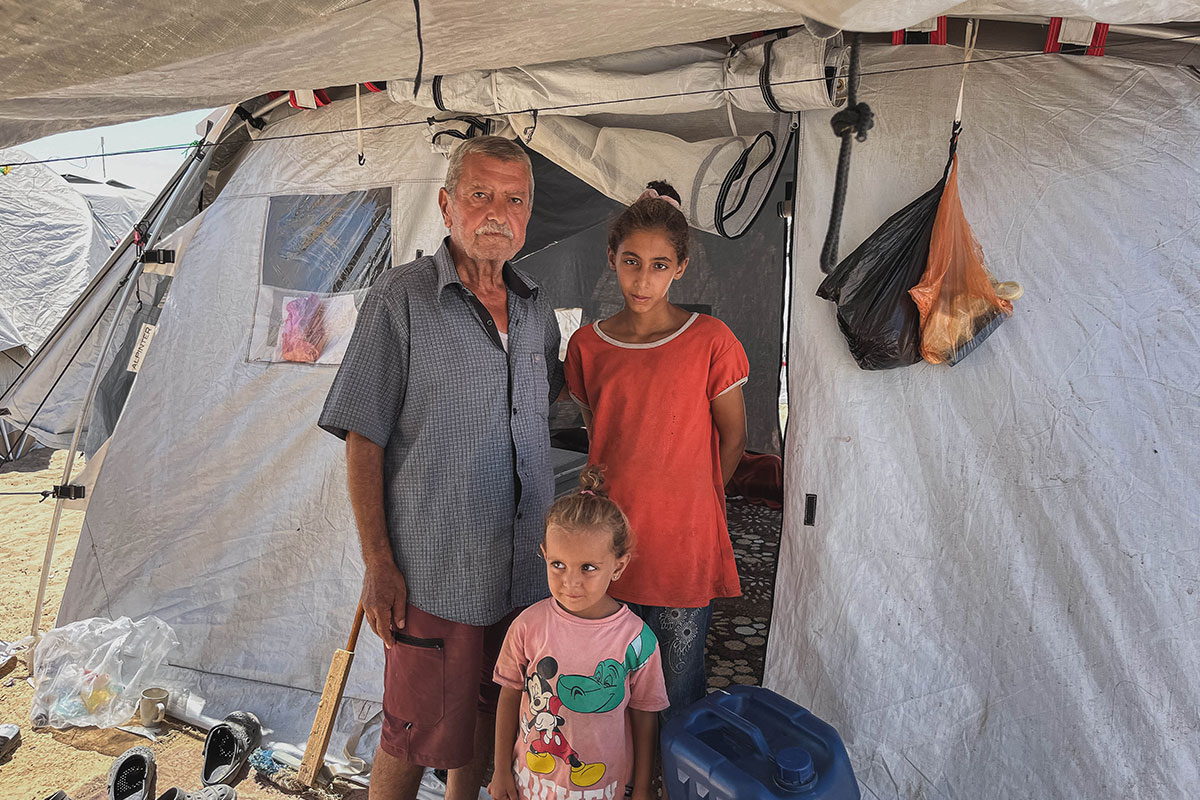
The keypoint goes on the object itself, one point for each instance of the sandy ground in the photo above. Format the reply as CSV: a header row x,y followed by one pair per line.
x,y
74,760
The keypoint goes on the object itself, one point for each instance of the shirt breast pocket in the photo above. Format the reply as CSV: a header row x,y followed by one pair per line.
x,y
536,389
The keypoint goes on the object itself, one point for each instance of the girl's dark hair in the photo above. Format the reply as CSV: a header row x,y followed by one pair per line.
x,y
591,508
653,214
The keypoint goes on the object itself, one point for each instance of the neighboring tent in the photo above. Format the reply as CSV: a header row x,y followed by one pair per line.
x,y
50,246
116,206
994,598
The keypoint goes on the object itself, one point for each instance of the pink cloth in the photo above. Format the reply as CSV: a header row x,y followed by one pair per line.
x,y
576,678
304,329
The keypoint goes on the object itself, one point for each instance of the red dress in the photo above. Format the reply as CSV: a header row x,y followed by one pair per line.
x,y
652,428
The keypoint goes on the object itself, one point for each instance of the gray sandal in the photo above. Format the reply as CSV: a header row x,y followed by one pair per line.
x,y
133,776
227,749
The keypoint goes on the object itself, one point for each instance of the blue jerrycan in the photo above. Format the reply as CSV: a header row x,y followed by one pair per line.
x,y
751,744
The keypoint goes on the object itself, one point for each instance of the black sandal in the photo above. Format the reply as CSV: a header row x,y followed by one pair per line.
x,y
133,776
227,749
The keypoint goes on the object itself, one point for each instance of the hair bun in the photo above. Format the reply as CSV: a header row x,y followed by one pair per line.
x,y
591,479
665,190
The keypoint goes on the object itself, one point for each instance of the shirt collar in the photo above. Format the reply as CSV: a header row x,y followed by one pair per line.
x,y
447,274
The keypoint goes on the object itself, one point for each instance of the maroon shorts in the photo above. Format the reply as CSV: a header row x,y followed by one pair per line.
x,y
438,677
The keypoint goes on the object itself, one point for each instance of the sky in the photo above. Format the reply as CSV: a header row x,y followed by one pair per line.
x,y
149,171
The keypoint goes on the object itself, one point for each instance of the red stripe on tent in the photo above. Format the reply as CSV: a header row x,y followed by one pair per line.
x,y
936,36
939,35
321,97
1099,36
1052,45
373,87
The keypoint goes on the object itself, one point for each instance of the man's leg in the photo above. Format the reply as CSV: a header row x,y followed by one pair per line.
x,y
464,783
394,778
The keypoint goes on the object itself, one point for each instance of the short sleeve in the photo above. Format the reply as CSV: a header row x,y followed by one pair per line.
x,y
368,391
511,663
647,688
729,367
573,369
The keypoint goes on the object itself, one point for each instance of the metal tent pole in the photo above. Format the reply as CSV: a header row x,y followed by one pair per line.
x,y
94,383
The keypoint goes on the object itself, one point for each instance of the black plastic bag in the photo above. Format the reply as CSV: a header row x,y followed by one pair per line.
x,y
879,319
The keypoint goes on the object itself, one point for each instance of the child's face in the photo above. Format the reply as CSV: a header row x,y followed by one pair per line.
x,y
579,567
646,263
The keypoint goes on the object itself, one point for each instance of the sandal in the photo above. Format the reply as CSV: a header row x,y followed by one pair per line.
x,y
227,749
133,776
218,792
10,737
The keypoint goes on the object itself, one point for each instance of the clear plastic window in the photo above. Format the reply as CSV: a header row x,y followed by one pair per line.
x,y
320,255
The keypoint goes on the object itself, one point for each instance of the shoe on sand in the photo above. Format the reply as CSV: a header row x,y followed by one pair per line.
x,y
10,737
218,792
227,748
133,776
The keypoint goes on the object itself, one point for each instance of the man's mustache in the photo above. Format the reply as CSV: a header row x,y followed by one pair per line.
x,y
494,227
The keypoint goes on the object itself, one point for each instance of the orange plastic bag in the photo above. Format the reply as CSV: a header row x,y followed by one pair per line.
x,y
956,296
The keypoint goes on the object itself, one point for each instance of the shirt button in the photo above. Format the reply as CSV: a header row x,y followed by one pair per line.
x,y
490,323
519,515
514,410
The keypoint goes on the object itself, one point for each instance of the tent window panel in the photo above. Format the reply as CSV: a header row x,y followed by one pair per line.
x,y
321,253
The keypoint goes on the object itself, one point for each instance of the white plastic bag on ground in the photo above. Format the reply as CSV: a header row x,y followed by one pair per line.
x,y
92,672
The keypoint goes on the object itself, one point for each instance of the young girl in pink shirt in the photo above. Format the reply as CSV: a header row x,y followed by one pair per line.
x,y
580,674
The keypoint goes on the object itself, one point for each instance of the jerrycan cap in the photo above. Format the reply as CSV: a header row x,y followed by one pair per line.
x,y
794,769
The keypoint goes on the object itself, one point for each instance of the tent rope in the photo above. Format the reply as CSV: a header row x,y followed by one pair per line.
x,y
855,119
420,50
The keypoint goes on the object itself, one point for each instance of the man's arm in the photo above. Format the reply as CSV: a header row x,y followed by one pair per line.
x,y
384,594
729,415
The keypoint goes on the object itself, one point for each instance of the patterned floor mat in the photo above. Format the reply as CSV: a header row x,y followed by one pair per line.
x,y
737,641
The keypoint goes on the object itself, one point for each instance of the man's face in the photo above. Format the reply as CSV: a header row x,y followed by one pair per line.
x,y
490,208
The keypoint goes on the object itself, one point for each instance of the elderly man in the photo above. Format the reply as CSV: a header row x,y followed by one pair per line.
x,y
442,399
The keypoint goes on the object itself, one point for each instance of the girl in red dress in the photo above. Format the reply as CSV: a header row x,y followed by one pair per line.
x,y
661,394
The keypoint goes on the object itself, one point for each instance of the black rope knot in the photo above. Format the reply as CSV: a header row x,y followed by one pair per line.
x,y
856,119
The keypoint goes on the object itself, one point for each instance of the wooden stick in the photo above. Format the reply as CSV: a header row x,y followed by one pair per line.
x,y
331,698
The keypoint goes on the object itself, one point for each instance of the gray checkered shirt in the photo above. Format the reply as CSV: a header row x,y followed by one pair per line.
x,y
467,475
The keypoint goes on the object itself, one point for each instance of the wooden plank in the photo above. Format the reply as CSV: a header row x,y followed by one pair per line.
x,y
331,698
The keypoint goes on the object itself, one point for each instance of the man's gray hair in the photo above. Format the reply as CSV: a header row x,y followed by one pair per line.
x,y
496,147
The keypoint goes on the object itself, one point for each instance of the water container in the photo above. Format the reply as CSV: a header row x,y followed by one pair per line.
x,y
751,744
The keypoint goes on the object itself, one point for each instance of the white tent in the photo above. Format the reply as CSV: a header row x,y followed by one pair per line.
x,y
116,206
50,245
996,596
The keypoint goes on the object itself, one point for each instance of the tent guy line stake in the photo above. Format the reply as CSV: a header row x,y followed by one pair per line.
x,y
93,385
754,88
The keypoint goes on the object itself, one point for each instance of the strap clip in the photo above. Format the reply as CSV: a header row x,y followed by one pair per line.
x,y
158,257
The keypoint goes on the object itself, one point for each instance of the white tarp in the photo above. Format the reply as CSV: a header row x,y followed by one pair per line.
x,y
117,208
724,174
49,246
1000,597
66,69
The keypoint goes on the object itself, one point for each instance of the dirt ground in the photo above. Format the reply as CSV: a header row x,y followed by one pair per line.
x,y
76,760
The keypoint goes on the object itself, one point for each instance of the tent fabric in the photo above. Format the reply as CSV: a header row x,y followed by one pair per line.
x,y
998,597
116,208
246,549
68,70
49,247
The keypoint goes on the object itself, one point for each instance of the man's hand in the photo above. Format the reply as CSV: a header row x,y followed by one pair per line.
x,y
384,599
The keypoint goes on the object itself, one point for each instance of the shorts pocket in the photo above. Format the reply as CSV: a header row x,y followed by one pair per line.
x,y
417,681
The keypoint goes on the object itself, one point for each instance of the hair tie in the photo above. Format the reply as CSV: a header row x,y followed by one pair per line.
x,y
587,491
651,194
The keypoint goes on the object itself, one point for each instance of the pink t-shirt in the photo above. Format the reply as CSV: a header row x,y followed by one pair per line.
x,y
576,678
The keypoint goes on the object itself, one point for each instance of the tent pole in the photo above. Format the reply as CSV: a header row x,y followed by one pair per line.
x,y
94,384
